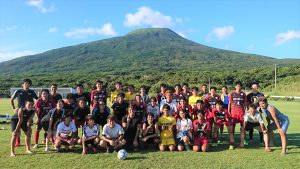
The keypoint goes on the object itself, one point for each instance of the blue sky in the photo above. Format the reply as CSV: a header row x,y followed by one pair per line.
x,y
270,28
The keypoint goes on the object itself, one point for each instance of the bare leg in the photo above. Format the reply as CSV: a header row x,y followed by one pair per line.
x,y
27,141
204,147
12,144
231,137
242,135
271,137
283,143
196,148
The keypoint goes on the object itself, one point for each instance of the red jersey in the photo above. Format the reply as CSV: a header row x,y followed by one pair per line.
x,y
96,95
201,128
187,108
186,95
221,115
177,96
210,101
42,107
204,111
140,110
238,102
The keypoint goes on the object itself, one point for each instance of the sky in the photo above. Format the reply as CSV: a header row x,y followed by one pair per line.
x,y
269,27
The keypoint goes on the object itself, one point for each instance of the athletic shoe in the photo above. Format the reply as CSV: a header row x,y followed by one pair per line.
x,y
245,143
47,149
219,141
231,147
36,146
57,150
214,145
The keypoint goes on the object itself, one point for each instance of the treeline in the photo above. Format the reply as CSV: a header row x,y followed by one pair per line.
x,y
152,78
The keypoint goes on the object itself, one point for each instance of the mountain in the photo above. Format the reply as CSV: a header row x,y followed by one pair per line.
x,y
149,50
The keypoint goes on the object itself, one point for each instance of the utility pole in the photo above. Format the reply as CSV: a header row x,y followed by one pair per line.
x,y
275,76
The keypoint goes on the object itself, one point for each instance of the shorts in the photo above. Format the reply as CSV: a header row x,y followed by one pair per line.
x,y
14,123
199,141
284,124
221,123
250,126
152,140
39,125
91,142
237,118
180,142
63,142
167,141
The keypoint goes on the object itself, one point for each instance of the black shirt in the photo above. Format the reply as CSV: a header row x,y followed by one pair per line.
x,y
132,127
80,114
55,98
101,117
251,97
85,96
120,110
26,115
22,96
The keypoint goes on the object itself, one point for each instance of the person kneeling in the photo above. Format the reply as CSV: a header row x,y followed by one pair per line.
x,y
65,134
166,123
201,131
90,135
113,135
150,131
184,128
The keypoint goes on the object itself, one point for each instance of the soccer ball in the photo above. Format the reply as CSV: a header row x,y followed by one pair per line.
x,y
122,154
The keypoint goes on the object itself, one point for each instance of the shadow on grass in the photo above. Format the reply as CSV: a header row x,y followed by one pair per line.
x,y
135,158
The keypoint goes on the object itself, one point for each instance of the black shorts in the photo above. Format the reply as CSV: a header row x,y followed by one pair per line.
x,y
91,142
179,142
152,140
14,123
250,126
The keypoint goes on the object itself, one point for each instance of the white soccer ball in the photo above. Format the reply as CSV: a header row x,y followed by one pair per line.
x,y
122,154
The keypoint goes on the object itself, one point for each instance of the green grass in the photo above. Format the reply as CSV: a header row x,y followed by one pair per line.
x,y
219,157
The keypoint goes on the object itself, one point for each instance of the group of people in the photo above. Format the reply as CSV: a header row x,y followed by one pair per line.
x,y
175,118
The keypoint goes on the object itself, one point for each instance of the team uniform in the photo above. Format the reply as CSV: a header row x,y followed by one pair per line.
x,y
56,117
151,131
253,97
172,104
154,110
85,96
55,98
27,114
177,96
63,132
112,133
129,97
211,101
119,110
145,99
283,119
193,100
222,117
113,96
186,95
166,136
101,117
185,126
160,97
69,108
188,110
79,116
201,130
88,132
22,96
140,111
205,111
96,95
238,102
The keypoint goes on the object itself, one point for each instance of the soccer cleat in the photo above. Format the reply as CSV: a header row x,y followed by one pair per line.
x,y
231,147
219,141
245,143
36,146
214,145
47,149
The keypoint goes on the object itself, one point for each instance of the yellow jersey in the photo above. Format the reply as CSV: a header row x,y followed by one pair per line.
x,y
129,97
113,95
193,100
169,121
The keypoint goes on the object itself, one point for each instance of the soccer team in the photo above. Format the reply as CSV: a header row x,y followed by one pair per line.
x,y
174,119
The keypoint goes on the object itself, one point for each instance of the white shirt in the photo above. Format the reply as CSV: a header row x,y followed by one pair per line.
x,y
183,126
90,132
257,118
172,104
112,132
65,131
154,110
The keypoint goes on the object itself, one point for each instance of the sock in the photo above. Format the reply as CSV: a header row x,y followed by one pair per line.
x,y
36,137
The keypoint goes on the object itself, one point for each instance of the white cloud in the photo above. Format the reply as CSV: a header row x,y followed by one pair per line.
x,y
39,4
6,55
282,38
52,30
220,33
145,16
250,47
182,34
106,30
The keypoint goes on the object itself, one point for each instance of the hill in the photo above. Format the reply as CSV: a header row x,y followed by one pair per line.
x,y
149,50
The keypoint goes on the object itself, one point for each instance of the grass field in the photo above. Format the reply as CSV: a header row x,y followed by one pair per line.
x,y
218,157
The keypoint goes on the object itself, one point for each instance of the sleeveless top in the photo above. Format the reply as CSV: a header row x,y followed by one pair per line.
x,y
279,115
